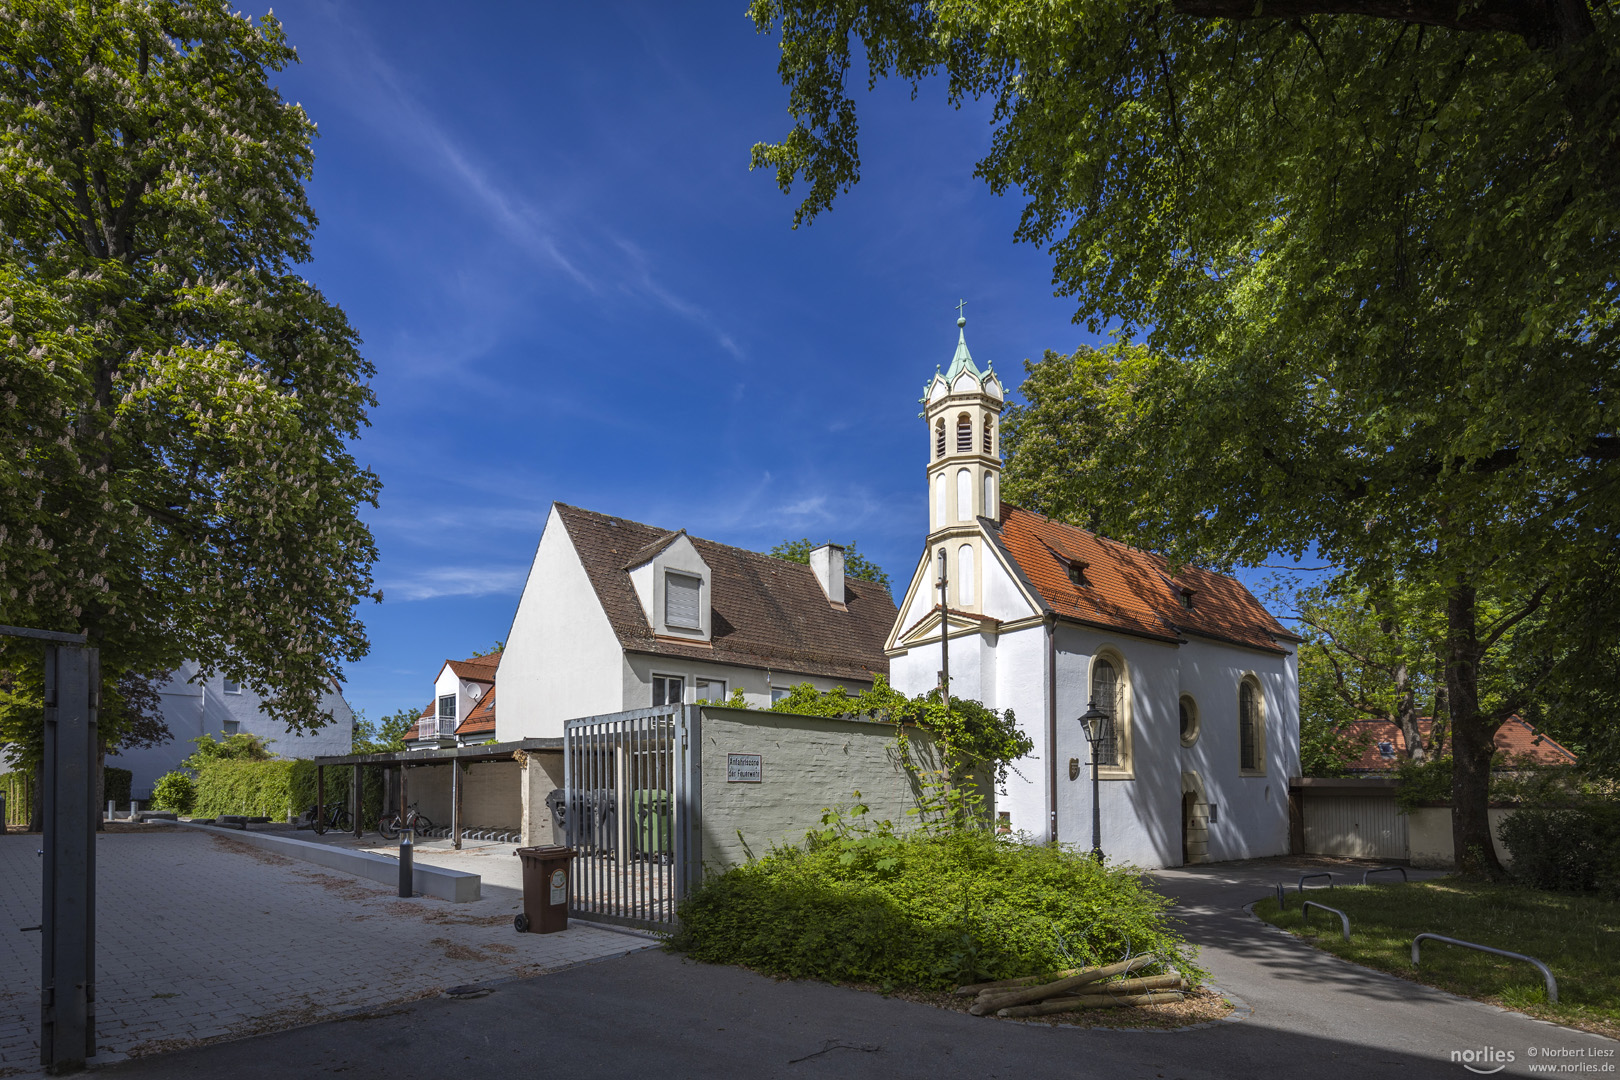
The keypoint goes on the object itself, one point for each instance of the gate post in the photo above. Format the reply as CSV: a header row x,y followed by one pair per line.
x,y
689,802
68,954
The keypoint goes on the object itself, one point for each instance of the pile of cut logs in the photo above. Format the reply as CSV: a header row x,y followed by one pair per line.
x,y
1077,988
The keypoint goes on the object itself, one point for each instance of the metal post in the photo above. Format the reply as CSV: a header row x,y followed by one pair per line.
x,y
455,804
354,800
1096,802
320,800
407,842
67,1002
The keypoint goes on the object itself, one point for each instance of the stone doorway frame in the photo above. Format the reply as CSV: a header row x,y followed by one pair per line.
x,y
1194,819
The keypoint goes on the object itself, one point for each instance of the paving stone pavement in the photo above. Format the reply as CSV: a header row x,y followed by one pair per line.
x,y
200,938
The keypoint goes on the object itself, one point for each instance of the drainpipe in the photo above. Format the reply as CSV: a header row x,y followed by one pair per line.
x,y
1051,728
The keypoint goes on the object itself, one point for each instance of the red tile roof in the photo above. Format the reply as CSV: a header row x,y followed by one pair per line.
x,y
1129,589
1515,738
480,718
478,668
767,612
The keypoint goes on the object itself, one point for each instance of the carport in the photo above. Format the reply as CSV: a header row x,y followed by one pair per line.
x,y
397,766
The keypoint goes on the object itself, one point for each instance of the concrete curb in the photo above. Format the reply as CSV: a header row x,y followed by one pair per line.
x,y
454,885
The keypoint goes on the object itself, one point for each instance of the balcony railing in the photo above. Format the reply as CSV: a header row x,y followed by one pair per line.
x,y
431,727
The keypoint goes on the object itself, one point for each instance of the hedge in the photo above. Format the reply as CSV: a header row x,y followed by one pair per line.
x,y
276,788
116,783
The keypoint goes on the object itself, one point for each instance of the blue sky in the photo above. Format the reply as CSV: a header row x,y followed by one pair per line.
x,y
540,218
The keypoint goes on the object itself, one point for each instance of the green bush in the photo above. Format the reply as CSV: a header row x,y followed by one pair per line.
x,y
931,909
1574,849
115,785
174,791
258,788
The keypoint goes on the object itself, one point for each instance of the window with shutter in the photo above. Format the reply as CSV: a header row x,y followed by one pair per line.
x,y
989,440
939,439
681,595
964,435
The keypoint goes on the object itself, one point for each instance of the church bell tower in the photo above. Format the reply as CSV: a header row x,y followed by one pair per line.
x,y
963,409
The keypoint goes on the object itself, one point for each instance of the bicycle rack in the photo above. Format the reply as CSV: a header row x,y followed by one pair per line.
x,y
1547,976
1304,915
1385,870
1303,878
1282,897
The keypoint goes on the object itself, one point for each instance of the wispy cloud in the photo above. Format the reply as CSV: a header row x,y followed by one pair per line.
x,y
434,582
641,280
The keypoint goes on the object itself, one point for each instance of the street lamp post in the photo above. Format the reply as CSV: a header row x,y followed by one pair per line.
x,y
1098,726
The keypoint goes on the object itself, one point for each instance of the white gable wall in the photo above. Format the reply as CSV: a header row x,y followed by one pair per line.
x,y
561,652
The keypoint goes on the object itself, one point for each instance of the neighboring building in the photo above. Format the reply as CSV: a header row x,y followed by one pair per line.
x,y
1516,740
463,704
1201,681
618,615
219,707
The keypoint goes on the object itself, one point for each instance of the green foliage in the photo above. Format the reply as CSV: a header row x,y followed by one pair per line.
x,y
275,788
930,908
384,737
1565,850
242,746
1423,783
174,791
116,786
18,789
970,734
856,565
1513,782
176,477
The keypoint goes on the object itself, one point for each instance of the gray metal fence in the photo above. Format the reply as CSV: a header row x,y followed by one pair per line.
x,y
633,788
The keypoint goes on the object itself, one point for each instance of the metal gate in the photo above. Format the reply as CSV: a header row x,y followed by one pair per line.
x,y
632,790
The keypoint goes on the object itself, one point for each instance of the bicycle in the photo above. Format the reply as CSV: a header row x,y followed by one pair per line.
x,y
391,825
337,817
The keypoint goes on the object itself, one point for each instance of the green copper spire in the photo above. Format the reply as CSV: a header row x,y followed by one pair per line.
x,y
963,360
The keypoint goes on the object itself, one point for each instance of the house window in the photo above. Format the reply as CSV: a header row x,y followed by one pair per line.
x,y
779,693
1251,731
710,690
232,686
447,707
232,727
964,495
1189,720
1187,599
1386,750
1077,574
1106,695
939,439
681,595
964,574
989,439
668,689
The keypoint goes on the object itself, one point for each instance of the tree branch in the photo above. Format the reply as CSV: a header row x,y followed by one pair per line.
x,y
1543,23
1528,609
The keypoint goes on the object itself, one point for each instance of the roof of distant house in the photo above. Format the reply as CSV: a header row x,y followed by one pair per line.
x,y
767,612
1128,589
1515,738
477,668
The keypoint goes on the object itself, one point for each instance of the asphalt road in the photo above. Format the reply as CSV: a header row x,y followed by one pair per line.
x,y
654,1015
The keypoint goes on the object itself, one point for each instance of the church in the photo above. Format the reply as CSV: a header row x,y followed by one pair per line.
x,y
1201,683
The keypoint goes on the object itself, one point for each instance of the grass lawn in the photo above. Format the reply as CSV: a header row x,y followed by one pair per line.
x,y
1578,937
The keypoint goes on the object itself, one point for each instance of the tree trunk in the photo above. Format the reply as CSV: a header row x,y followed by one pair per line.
x,y
1473,740
1406,715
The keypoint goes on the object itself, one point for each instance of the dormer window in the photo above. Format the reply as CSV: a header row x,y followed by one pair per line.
x,y
447,707
1077,573
1187,598
682,593
939,439
964,434
1386,750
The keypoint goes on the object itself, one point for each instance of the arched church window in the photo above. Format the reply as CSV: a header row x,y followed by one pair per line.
x,y
939,499
939,438
990,510
989,437
964,434
1105,694
1251,730
964,495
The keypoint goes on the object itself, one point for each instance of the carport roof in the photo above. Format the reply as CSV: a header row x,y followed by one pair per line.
x,y
487,752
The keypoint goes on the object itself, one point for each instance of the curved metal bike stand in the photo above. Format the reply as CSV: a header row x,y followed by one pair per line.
x,y
1552,983
1304,914
1385,870
1282,897
1303,878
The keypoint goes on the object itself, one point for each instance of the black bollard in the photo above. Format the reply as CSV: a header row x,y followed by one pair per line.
x,y
406,840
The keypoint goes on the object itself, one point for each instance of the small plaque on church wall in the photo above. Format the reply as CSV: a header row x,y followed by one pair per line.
x,y
744,769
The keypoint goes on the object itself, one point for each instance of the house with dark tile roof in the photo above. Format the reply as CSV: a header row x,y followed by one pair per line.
x,y
462,709
1199,681
620,615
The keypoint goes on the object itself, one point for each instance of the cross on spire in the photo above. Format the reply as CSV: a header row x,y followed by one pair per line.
x,y
960,318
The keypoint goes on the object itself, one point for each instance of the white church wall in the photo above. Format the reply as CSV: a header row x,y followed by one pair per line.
x,y
559,637
1020,685
1003,599
1251,817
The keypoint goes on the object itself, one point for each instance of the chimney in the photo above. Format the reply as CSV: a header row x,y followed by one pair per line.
x,y
827,562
